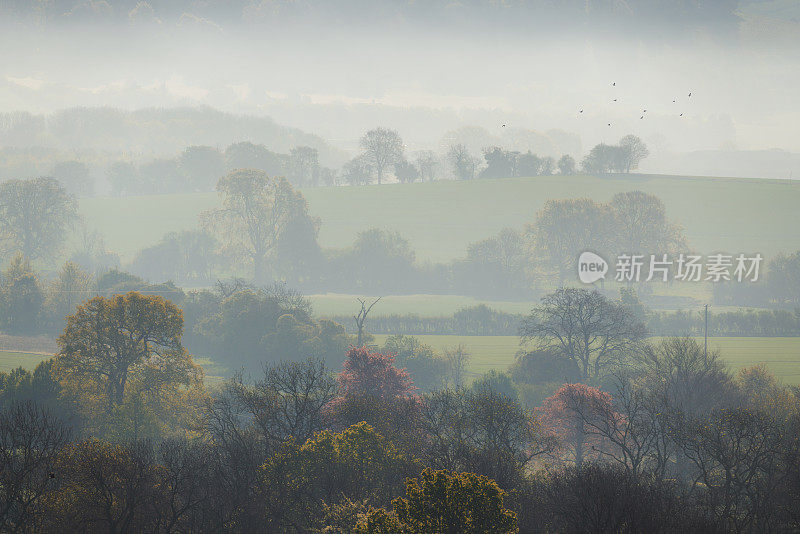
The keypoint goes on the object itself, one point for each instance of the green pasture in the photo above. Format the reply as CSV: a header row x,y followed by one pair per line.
x,y
441,218
781,355
28,360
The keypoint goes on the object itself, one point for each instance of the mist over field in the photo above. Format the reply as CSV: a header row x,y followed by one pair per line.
x,y
395,266
426,73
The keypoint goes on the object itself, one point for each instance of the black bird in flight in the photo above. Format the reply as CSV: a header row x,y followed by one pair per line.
x,y
614,84
504,126
681,115
690,95
609,124
641,117
644,111
615,100
581,111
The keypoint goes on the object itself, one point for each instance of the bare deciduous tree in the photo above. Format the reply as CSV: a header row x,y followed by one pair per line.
x,y
382,148
30,440
588,328
633,151
457,360
288,402
361,318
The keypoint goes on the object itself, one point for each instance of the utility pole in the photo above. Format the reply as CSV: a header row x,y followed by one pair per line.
x,y
705,342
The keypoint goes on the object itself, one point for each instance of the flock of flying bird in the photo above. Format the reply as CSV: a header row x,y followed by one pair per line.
x,y
614,84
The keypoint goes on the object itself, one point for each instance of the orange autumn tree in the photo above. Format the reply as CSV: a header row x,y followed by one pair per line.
x,y
122,357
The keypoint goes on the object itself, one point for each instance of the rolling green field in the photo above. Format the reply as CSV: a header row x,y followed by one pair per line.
x,y
27,360
781,355
442,218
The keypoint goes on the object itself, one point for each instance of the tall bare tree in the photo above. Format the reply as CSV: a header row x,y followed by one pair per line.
x,y
382,148
361,318
633,151
457,360
586,327
289,401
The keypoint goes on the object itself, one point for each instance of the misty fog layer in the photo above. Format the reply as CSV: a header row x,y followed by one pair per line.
x,y
427,79
399,266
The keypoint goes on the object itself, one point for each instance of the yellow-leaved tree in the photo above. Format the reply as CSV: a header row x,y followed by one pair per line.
x,y
122,363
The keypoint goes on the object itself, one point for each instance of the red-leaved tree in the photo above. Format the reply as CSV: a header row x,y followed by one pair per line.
x,y
373,373
572,415
372,389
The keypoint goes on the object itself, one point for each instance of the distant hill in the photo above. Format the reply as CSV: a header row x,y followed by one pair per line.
x,y
154,131
736,163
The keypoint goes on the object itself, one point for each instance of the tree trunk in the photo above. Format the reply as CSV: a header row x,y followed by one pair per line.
x,y
117,390
259,268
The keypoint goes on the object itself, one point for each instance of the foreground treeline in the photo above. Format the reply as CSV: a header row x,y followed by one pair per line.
x,y
119,432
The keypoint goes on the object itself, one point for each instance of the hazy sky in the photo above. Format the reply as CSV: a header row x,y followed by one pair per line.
x,y
339,82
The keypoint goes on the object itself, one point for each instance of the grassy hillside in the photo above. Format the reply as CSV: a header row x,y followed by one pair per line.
x,y
442,218
781,355
27,360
